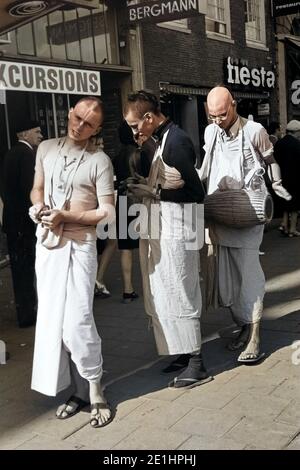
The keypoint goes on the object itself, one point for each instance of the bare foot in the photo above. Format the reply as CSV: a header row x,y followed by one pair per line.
x,y
101,413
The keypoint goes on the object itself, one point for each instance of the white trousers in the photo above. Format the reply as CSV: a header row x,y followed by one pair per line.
x,y
65,324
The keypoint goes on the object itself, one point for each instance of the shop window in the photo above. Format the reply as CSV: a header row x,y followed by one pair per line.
x,y
8,43
40,28
72,35
217,20
56,35
25,42
104,34
5,39
255,27
81,35
85,27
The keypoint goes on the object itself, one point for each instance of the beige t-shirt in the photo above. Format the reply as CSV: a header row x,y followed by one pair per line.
x,y
57,160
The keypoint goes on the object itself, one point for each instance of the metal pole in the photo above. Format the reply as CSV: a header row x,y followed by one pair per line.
x,y
54,115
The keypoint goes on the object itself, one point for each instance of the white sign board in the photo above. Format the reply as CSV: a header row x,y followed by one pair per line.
x,y
263,109
46,79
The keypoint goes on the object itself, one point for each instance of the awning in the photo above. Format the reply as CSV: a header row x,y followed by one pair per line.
x,y
293,41
192,91
251,96
182,90
15,13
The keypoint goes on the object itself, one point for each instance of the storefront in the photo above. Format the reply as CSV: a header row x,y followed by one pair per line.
x,y
292,48
48,64
251,87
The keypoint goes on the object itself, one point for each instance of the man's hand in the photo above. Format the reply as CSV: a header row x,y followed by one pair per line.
x,y
141,190
35,212
136,179
51,218
281,191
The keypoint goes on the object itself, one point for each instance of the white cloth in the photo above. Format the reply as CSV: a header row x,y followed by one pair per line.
x,y
231,160
241,283
65,284
171,286
170,273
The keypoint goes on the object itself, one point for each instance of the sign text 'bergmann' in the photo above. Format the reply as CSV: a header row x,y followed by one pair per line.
x,y
40,78
159,11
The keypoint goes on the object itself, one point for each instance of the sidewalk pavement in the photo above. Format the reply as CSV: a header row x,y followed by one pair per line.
x,y
244,407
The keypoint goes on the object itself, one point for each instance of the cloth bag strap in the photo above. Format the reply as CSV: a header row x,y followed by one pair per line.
x,y
258,169
69,190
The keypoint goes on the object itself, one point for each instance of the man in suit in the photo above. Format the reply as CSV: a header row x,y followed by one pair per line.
x,y
18,174
287,155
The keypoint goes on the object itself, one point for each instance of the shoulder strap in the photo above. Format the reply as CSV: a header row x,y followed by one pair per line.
x,y
69,190
258,169
205,169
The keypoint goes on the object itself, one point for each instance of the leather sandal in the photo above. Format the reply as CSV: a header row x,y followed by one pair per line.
x,y
94,422
73,400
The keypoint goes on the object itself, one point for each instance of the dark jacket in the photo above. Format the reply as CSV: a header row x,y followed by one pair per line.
x,y
287,155
179,153
18,175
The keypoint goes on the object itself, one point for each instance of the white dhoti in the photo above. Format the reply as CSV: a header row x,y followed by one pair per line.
x,y
241,283
238,281
171,286
65,324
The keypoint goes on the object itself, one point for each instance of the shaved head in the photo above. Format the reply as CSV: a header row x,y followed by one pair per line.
x,y
219,97
221,107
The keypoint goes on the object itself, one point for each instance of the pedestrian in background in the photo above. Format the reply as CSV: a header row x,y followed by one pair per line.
x,y
287,154
18,174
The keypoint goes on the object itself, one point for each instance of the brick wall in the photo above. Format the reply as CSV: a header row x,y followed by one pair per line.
x,y
193,59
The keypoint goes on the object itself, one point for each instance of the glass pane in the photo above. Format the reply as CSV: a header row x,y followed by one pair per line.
x,y
11,46
252,20
41,38
86,35
102,39
25,40
56,34
72,35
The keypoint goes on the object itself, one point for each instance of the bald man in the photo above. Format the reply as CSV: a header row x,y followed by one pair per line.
x,y
230,143
67,344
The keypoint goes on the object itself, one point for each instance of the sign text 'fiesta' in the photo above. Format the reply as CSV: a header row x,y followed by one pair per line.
x,y
256,77
160,11
40,78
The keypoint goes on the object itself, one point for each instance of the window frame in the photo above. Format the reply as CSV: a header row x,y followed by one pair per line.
x,y
176,25
5,41
214,34
262,42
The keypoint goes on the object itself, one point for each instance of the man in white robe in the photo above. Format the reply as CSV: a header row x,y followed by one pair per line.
x,y
70,169
239,281
169,267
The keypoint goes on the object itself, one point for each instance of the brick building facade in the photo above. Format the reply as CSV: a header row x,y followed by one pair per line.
x,y
184,63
